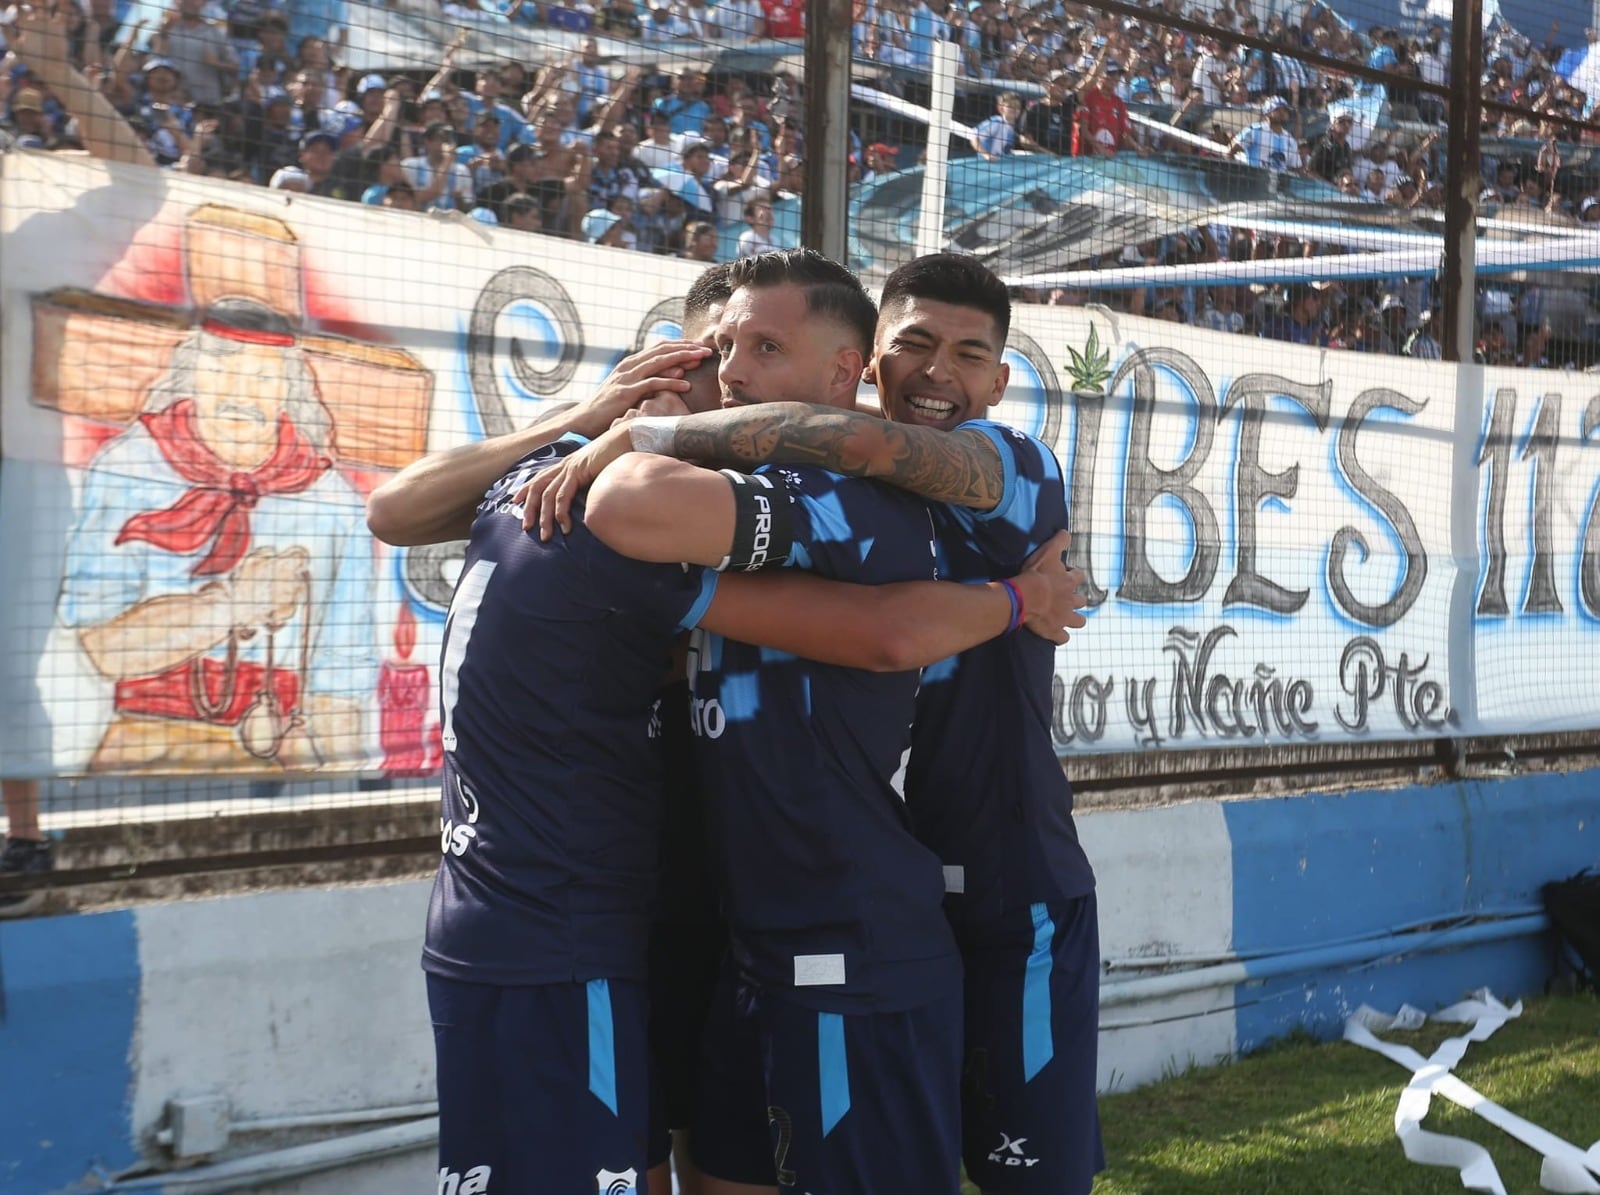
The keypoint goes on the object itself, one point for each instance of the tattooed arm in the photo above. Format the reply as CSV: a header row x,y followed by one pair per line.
x,y
962,468
959,467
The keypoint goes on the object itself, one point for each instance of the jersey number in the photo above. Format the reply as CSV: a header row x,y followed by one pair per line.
x,y
457,634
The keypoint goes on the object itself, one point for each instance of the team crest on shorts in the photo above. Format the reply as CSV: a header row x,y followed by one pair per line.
x,y
611,1182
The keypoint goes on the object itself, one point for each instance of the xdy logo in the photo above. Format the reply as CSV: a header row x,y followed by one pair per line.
x,y
473,1182
612,1182
1009,1153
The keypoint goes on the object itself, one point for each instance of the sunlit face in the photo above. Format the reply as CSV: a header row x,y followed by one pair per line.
x,y
937,364
238,397
773,350
705,392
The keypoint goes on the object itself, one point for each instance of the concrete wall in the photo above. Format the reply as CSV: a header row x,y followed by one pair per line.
x,y
312,1000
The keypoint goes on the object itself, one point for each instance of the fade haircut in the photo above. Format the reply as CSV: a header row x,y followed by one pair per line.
x,y
709,290
953,278
832,292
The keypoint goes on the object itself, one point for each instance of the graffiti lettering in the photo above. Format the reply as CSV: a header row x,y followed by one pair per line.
x,y
1253,484
509,287
1232,707
1415,558
1589,570
1365,676
1146,481
1083,714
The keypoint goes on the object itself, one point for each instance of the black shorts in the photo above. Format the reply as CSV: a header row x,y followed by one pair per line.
x,y
684,960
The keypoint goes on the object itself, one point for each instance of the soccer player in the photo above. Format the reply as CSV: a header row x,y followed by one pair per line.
x,y
984,785
519,899
551,814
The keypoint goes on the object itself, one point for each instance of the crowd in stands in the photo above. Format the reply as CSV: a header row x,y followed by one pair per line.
x,y
662,159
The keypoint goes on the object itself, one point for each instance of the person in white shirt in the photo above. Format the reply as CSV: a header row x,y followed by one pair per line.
x,y
1268,142
661,25
440,182
740,19
702,21
739,187
658,152
756,239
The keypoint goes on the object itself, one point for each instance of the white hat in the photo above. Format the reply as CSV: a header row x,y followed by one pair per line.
x,y
290,178
598,222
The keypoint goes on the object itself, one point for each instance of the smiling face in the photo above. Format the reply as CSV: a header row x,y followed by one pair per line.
x,y
937,364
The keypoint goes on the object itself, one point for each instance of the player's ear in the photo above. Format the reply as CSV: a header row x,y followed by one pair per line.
x,y
869,373
847,366
1002,379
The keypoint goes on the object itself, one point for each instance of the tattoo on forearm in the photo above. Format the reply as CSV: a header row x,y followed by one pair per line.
x,y
957,467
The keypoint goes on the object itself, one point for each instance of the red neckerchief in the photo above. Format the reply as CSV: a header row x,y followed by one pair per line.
x,y
218,508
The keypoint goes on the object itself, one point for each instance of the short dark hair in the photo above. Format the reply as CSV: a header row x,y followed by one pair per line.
x,y
710,289
832,292
954,278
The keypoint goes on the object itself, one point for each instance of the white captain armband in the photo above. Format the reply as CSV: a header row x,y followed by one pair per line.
x,y
763,525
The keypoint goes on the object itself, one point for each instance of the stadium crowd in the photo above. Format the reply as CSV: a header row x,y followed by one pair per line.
x,y
662,158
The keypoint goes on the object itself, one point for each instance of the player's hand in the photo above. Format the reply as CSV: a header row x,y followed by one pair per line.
x,y
1050,591
547,499
637,377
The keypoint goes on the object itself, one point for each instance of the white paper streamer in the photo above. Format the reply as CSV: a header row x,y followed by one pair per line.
x,y
1566,1169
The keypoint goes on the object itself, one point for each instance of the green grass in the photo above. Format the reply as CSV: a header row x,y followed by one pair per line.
x,y
1317,1118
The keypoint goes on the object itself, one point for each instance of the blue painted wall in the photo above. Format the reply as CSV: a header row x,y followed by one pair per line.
x,y
70,987
1309,871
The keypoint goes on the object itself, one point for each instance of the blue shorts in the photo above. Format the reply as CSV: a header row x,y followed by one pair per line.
x,y
542,1088
847,1103
1030,1123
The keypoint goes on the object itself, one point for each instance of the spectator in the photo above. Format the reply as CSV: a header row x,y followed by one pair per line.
x,y
881,159
659,152
742,20
661,26
28,124
1267,143
619,18
1048,123
317,156
522,214
741,184
996,137
1421,343
1103,124
756,239
700,242
1300,323
481,156
1331,154
784,20
694,184
610,176
199,50
685,108
387,171
441,183
603,227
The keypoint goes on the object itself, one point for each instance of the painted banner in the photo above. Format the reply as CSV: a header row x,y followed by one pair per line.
x,y
202,382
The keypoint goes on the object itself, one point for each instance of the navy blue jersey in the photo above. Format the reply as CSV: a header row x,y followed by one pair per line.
x,y
551,814
984,784
827,893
